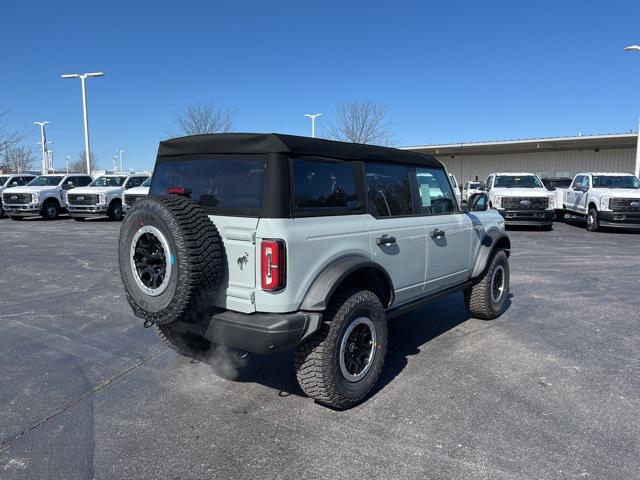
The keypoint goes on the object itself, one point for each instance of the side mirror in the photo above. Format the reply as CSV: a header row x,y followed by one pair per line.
x,y
15,184
479,202
578,187
584,189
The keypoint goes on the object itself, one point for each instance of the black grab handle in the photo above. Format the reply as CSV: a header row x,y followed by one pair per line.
x,y
385,240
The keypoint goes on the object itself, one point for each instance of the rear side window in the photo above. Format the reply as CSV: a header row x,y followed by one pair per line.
x,y
320,184
388,190
82,181
436,196
220,185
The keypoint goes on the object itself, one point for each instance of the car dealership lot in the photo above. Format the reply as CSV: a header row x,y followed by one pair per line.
x,y
549,390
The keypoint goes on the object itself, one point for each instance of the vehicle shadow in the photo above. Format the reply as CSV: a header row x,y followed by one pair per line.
x,y
407,335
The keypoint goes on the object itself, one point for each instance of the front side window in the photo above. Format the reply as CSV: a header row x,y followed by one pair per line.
x,y
218,184
3,179
321,184
436,196
146,183
518,181
578,181
135,182
108,182
388,190
615,181
489,182
45,181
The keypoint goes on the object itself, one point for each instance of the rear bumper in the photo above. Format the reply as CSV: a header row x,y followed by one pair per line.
x,y
257,332
22,210
619,219
527,217
86,210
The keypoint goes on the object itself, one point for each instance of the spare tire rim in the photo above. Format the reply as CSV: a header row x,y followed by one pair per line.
x,y
151,260
357,349
498,278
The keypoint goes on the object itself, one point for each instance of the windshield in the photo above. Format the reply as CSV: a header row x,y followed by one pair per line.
x,y
108,182
45,181
3,179
518,181
146,183
615,181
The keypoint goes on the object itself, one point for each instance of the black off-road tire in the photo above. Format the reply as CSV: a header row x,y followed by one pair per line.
x,y
115,212
50,210
183,342
195,255
593,224
479,299
317,363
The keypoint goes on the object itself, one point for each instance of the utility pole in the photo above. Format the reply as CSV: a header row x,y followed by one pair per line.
x,y
43,147
83,77
313,122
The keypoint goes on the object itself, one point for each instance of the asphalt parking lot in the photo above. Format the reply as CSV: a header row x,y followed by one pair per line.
x,y
549,390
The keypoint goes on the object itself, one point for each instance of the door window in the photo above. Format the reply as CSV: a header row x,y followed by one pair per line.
x,y
489,182
324,185
585,181
388,190
578,180
135,182
436,196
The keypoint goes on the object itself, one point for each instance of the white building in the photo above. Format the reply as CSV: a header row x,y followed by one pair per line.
x,y
548,157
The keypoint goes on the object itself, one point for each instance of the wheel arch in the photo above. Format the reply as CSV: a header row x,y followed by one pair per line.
x,y
493,241
593,205
350,271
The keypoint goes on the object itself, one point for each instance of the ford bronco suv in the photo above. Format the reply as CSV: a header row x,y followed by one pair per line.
x,y
605,199
521,199
102,197
12,181
43,196
262,242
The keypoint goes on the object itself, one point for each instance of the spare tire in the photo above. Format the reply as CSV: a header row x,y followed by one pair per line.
x,y
170,256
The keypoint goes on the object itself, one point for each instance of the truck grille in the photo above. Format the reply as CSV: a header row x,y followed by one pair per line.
x,y
131,199
525,203
16,198
625,204
82,199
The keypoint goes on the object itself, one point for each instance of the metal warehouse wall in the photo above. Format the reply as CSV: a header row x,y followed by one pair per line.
x,y
552,163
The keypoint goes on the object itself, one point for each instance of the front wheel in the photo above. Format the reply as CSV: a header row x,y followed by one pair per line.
x,y
115,212
50,210
340,364
593,225
487,298
560,215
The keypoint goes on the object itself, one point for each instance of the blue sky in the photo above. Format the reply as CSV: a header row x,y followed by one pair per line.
x,y
448,71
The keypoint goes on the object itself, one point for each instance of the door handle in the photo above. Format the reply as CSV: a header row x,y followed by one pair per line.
x,y
437,233
385,240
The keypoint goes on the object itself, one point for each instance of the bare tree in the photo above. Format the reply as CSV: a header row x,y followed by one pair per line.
x,y
80,165
18,159
8,139
361,122
202,118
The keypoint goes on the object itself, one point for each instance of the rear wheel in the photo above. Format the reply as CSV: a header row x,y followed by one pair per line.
x,y
170,259
487,298
50,210
340,364
593,225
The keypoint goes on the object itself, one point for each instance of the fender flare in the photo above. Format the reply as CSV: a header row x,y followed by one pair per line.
x,y
489,244
325,284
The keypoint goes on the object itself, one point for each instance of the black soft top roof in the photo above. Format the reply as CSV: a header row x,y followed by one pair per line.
x,y
257,143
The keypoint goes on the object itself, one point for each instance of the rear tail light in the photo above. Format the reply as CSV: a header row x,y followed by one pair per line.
x,y
273,263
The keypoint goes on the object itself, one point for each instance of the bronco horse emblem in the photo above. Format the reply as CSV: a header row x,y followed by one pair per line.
x,y
243,260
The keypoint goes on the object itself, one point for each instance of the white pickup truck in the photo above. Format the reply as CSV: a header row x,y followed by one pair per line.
x,y
604,199
43,196
133,194
11,181
521,199
102,197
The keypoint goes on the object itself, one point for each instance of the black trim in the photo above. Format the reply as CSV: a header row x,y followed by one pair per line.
x,y
431,297
255,332
527,217
608,219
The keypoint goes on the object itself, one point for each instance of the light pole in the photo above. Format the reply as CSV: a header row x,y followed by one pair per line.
x,y
67,162
83,77
636,171
43,146
119,153
313,122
